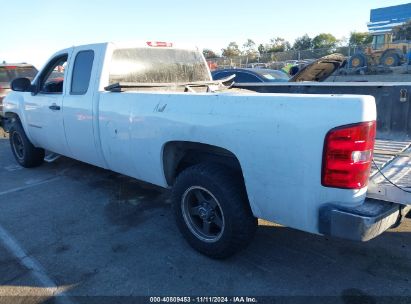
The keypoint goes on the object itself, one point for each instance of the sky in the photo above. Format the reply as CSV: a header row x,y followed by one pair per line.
x,y
31,31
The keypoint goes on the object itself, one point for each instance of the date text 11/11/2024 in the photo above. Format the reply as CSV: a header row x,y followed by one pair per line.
x,y
203,300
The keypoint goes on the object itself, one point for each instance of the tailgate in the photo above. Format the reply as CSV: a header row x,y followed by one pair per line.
x,y
390,178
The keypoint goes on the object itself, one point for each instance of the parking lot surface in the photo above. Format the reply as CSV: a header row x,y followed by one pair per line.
x,y
73,229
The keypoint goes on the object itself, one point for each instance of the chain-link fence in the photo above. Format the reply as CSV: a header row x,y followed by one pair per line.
x,y
275,60
393,58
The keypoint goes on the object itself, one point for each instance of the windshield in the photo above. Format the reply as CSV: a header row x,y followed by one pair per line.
x,y
274,75
8,73
157,65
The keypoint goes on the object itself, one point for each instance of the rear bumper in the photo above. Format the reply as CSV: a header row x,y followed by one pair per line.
x,y
362,223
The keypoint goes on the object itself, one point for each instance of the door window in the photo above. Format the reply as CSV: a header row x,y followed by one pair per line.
x,y
245,77
82,72
378,42
52,79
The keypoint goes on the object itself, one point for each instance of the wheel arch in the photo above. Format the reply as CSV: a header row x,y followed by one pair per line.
x,y
392,50
9,119
12,116
178,155
13,108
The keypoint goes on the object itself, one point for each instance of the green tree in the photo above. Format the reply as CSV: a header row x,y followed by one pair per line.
x,y
278,44
358,38
261,49
249,49
232,50
208,53
303,43
325,41
249,45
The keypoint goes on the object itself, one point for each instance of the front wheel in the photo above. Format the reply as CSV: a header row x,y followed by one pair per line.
x,y
212,210
23,150
357,61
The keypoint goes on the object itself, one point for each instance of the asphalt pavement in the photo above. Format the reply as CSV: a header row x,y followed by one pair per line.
x,y
71,229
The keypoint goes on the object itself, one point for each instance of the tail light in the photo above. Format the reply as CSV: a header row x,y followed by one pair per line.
x,y
347,157
159,44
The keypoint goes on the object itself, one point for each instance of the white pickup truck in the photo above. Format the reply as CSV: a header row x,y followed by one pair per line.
x,y
151,111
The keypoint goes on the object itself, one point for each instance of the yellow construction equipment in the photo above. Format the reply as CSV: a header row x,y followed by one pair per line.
x,y
383,51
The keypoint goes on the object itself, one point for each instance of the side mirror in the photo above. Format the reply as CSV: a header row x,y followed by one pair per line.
x,y
21,85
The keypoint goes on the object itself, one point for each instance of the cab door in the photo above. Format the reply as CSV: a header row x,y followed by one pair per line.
x,y
81,106
43,108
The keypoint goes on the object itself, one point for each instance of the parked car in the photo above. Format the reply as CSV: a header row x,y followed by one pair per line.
x,y
10,71
230,155
251,75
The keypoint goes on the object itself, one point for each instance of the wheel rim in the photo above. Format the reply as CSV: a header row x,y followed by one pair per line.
x,y
18,145
203,214
355,62
389,61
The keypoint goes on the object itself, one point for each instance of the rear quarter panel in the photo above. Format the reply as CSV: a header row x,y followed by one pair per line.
x,y
277,138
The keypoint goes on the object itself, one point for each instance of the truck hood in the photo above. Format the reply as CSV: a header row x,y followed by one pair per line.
x,y
320,69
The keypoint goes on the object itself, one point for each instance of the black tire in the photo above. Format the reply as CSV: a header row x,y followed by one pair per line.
x,y
357,61
390,60
23,150
231,224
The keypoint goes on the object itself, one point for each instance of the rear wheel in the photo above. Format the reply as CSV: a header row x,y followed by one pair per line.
x,y
23,150
390,60
212,210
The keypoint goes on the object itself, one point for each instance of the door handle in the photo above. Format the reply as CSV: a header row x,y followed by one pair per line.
x,y
54,107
